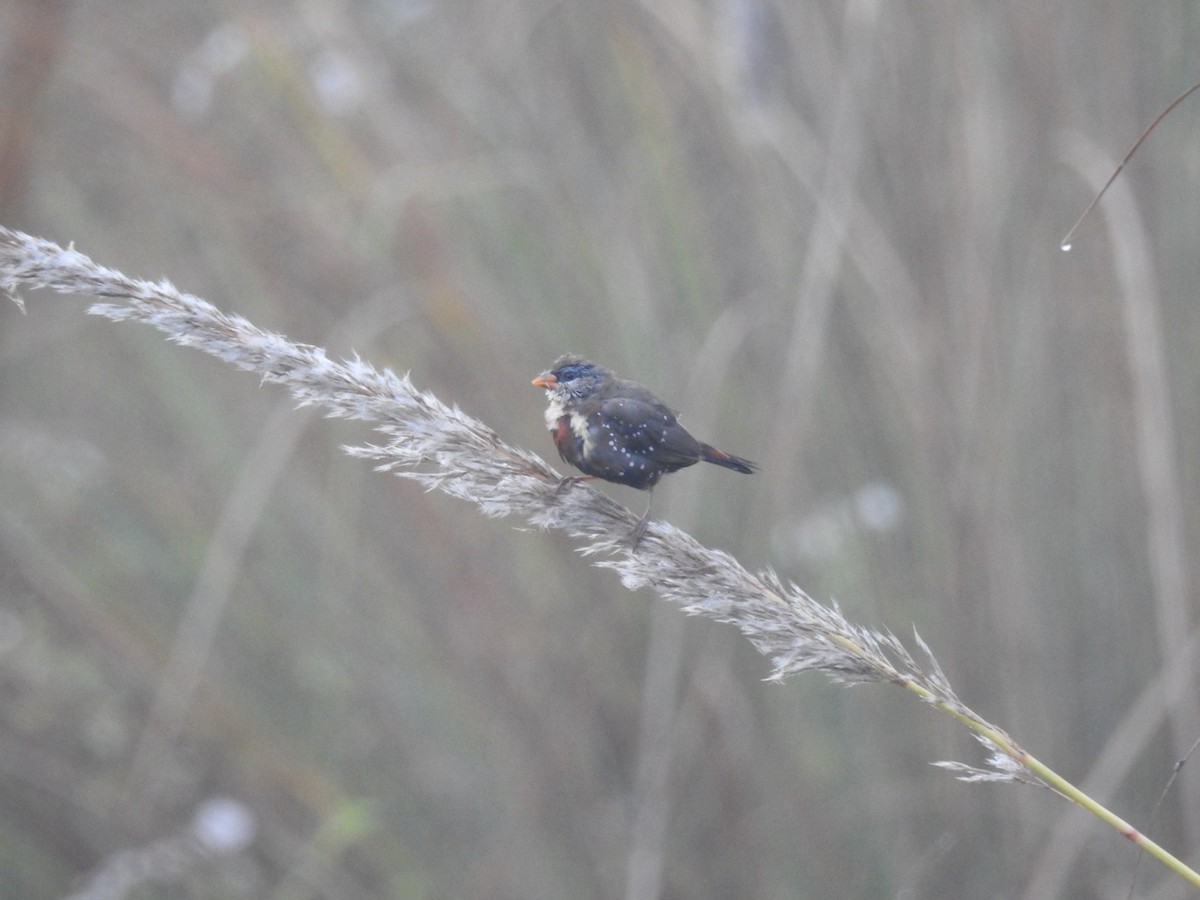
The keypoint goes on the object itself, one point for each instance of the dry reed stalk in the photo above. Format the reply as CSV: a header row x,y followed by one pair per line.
x,y
441,447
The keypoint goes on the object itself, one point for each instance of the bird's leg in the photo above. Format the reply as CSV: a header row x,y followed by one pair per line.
x,y
571,480
639,530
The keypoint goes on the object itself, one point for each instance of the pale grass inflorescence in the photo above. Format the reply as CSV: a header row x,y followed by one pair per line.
x,y
441,447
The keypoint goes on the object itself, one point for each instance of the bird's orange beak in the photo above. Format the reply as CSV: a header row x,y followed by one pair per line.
x,y
545,380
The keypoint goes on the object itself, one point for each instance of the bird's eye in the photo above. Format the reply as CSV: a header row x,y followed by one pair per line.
x,y
570,373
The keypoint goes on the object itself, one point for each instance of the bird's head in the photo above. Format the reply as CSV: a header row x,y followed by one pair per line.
x,y
572,378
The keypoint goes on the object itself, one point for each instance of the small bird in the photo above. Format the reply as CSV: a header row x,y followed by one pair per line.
x,y
617,430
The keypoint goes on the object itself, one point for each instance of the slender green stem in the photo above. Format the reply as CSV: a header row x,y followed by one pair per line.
x,y
1072,793
1052,779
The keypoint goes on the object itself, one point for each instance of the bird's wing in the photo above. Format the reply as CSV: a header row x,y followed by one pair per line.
x,y
644,428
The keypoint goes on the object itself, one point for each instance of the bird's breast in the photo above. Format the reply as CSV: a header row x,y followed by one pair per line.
x,y
569,446
560,430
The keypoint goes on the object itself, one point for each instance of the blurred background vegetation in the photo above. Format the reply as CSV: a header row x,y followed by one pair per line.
x,y
827,231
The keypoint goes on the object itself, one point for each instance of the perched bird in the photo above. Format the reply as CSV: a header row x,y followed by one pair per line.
x,y
614,429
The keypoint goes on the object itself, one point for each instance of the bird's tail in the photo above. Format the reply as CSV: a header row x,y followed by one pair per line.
x,y
728,460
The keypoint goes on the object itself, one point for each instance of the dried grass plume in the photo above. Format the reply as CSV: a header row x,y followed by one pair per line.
x,y
440,447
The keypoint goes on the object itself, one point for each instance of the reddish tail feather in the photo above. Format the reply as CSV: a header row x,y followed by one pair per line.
x,y
728,460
